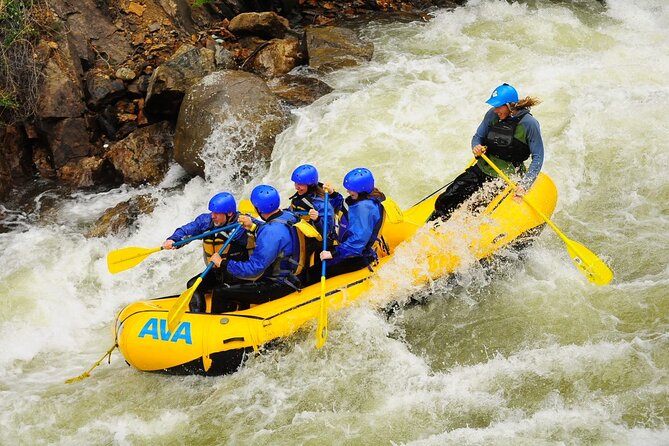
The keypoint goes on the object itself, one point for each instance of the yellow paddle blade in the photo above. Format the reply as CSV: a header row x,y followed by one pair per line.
x,y
322,329
246,207
590,265
393,211
179,308
308,230
126,258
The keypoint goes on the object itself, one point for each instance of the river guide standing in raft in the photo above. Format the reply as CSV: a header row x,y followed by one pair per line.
x,y
509,135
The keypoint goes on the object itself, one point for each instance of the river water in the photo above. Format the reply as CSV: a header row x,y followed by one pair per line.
x,y
529,353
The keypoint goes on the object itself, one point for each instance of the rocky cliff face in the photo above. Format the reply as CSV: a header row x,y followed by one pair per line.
x,y
118,80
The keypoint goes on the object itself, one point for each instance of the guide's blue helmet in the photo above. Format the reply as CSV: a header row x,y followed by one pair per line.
x,y
223,203
265,198
359,180
503,94
305,174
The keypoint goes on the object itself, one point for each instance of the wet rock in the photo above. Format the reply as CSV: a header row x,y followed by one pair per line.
x,y
243,110
298,91
15,157
277,57
169,81
12,140
268,25
143,156
101,90
330,48
93,33
5,177
61,94
122,217
84,172
43,162
125,73
224,58
68,140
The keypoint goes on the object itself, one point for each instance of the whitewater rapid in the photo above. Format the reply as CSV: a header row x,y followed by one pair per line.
x,y
531,353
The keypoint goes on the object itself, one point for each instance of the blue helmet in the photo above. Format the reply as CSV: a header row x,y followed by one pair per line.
x,y
265,198
503,94
223,203
305,174
359,180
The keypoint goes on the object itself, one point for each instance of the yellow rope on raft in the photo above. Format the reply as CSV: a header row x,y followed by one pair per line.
x,y
87,373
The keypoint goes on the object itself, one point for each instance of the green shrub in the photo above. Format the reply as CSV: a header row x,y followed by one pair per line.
x,y
199,3
21,24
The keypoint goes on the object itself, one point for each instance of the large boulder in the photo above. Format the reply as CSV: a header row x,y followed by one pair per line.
x,y
68,139
170,81
242,110
277,57
330,48
143,156
298,91
268,25
61,94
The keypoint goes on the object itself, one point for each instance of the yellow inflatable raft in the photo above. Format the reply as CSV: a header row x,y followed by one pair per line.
x,y
214,344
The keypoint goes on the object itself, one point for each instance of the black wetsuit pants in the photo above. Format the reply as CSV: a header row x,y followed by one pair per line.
x,y
346,265
217,277
210,282
458,191
241,296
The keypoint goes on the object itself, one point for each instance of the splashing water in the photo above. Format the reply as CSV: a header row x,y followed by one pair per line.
x,y
523,352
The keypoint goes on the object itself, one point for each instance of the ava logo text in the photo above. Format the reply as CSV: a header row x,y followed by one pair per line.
x,y
157,329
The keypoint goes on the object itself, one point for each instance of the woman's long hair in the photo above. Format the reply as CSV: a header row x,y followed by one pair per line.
x,y
527,102
317,190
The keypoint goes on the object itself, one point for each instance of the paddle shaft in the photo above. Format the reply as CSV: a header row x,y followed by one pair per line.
x,y
594,269
220,251
471,163
126,258
203,235
322,329
325,230
529,203
179,307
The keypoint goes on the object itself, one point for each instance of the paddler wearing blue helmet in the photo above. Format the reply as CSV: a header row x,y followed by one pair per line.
x,y
222,213
273,269
359,225
309,201
309,197
509,135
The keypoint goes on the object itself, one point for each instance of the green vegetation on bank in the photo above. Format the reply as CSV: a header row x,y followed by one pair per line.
x,y
22,23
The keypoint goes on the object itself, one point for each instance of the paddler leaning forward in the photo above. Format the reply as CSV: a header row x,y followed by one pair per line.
x,y
223,212
272,270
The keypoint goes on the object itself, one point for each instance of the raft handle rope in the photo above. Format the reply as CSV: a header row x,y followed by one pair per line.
x,y
87,373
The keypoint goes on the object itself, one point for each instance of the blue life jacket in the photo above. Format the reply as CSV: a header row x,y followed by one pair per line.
x,y
278,254
359,227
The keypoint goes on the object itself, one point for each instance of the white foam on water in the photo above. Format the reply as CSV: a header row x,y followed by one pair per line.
x,y
530,353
